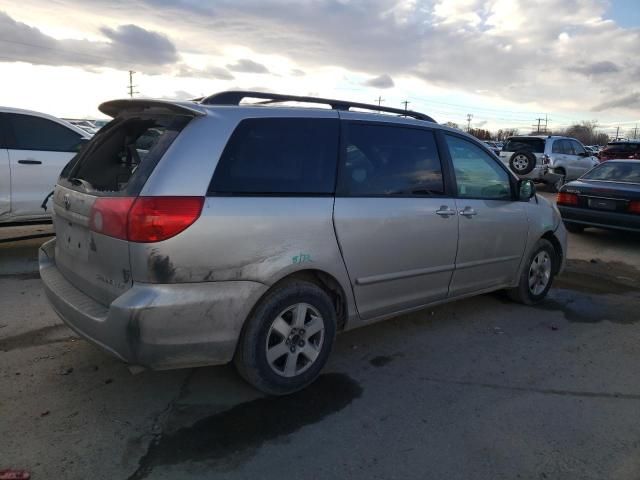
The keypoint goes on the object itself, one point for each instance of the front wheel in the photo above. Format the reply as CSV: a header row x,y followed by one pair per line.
x,y
537,277
287,339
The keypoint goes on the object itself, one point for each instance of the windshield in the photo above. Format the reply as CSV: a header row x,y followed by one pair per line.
x,y
626,172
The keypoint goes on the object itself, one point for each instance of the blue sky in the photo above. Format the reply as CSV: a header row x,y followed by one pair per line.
x,y
625,13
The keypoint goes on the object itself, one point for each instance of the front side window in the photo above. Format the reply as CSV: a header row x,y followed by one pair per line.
x,y
36,133
477,174
279,156
382,160
577,148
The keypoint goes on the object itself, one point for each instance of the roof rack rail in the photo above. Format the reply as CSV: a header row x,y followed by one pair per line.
x,y
235,97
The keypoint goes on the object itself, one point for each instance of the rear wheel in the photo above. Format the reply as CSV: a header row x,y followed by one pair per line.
x,y
522,163
537,277
287,339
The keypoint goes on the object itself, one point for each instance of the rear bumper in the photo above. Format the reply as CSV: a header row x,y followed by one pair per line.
x,y
538,173
158,326
600,218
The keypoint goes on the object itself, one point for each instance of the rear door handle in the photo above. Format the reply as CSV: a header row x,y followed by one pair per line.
x,y
445,211
468,212
30,162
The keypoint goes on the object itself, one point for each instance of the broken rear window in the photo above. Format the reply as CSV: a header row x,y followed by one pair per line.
x,y
120,157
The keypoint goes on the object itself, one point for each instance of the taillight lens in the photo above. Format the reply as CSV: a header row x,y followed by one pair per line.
x,y
153,219
634,207
144,219
565,198
109,216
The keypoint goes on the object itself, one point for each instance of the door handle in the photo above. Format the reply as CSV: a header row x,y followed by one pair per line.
x,y
468,212
30,162
445,211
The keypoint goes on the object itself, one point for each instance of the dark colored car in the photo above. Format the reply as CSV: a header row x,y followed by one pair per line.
x,y
607,196
620,151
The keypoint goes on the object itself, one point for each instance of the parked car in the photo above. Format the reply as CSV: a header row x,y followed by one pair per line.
x,y
255,233
34,147
607,197
85,125
492,146
547,159
621,150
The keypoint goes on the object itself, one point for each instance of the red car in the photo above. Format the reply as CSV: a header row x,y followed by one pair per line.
x,y
620,150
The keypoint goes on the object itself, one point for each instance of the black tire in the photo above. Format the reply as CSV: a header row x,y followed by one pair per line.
x,y
251,355
523,293
522,162
574,227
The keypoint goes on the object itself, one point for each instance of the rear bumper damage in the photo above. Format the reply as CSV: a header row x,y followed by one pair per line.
x,y
159,326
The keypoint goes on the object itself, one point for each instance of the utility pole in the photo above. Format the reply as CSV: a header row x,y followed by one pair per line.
x,y
617,132
131,85
406,104
546,122
539,120
469,118
635,132
380,100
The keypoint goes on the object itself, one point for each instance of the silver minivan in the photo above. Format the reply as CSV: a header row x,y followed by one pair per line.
x,y
199,233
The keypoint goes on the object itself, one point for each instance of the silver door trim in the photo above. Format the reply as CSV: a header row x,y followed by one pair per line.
x,y
486,262
405,274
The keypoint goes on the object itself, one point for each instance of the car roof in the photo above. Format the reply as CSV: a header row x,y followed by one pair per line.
x,y
34,113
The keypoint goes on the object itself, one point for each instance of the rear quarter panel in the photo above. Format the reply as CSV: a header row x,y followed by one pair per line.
x,y
261,239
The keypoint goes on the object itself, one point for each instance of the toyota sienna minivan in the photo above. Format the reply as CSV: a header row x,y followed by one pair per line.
x,y
204,232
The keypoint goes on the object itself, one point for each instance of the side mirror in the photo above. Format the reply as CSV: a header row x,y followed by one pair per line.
x,y
526,190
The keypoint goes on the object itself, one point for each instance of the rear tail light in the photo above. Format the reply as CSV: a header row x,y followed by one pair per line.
x,y
144,219
564,198
634,207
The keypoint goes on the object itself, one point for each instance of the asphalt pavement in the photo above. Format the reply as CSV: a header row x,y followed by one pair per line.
x,y
481,388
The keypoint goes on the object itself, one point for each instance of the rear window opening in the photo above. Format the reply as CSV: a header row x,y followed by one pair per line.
x,y
120,157
533,145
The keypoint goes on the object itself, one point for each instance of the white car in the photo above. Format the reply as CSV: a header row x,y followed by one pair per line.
x,y
34,148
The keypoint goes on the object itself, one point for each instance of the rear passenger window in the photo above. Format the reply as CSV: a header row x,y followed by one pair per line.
x,y
35,133
279,156
385,160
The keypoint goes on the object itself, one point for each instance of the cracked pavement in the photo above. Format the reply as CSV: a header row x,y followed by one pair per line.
x,y
481,388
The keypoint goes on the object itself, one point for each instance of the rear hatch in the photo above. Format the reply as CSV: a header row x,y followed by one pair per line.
x,y
621,150
99,187
533,145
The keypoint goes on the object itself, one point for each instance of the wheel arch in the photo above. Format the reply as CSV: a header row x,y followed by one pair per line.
x,y
557,247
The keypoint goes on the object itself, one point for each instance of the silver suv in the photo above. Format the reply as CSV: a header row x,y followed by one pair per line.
x,y
549,159
198,233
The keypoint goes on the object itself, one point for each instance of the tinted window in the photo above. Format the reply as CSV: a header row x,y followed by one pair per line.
x,y
558,146
529,144
627,172
35,133
622,147
478,175
279,156
388,160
